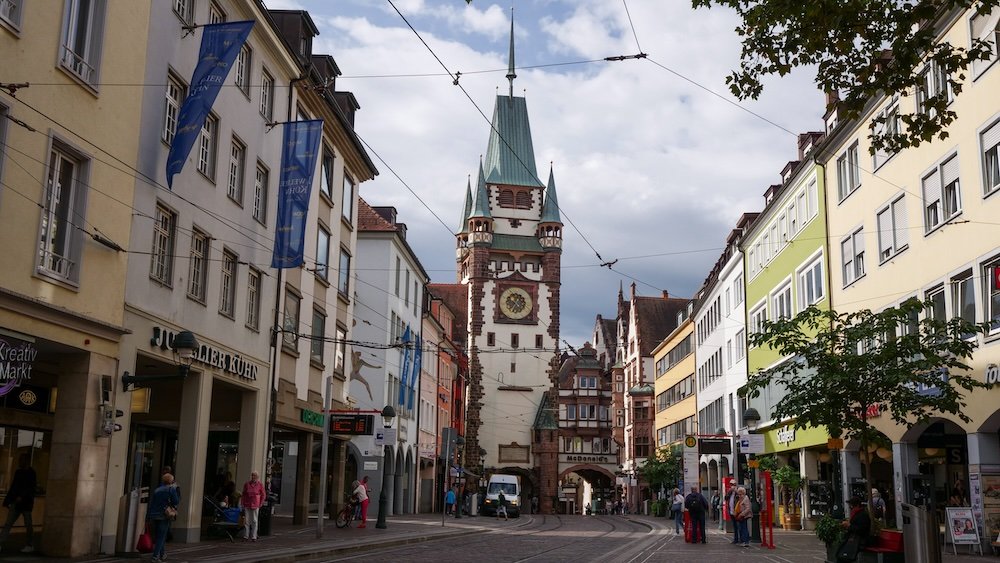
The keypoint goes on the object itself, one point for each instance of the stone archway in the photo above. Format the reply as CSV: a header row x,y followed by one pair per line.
x,y
583,485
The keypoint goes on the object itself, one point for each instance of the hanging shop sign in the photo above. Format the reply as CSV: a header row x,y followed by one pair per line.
x,y
788,437
312,418
233,364
17,357
992,375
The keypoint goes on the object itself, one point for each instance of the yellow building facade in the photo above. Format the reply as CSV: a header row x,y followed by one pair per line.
x,y
676,411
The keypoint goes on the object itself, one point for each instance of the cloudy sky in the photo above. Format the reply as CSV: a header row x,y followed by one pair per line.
x,y
651,168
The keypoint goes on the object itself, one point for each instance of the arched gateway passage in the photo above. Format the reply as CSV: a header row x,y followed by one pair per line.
x,y
582,485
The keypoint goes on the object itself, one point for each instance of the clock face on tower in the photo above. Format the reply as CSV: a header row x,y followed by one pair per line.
x,y
515,303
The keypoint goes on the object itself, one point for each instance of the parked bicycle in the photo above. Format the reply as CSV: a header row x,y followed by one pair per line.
x,y
346,514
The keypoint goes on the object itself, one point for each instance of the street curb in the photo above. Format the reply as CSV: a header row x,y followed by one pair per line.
x,y
313,553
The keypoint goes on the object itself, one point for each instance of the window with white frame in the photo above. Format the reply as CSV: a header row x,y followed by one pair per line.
x,y
322,253
937,309
740,344
184,10
348,201
801,210
198,265
244,62
811,283
570,412
848,173
162,257
738,290
963,298
253,298
341,350
985,27
260,193
812,199
318,342
266,95
852,251
60,243
215,13
890,124
227,289
942,194
208,141
326,183
344,277
933,86
172,105
290,324
757,318
893,232
781,302
793,225
237,165
989,144
991,277
83,27
10,12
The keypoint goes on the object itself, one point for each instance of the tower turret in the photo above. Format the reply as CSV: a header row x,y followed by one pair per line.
x,y
480,219
549,230
462,237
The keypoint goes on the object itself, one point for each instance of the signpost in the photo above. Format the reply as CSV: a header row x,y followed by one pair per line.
x,y
690,462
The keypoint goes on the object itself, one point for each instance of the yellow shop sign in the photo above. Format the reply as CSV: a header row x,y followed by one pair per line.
x,y
788,437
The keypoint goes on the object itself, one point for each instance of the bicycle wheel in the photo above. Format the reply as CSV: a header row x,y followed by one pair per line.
x,y
344,517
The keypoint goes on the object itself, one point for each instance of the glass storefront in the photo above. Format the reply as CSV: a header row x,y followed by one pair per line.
x,y
35,444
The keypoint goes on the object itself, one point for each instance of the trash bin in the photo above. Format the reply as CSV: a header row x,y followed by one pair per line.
x,y
474,506
920,535
264,518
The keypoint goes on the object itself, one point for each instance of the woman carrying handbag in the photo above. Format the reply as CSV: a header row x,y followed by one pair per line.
x,y
162,509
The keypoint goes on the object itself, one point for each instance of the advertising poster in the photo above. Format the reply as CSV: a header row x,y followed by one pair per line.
x,y
962,526
991,505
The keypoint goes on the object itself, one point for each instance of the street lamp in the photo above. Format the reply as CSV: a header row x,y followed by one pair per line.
x,y
388,413
459,502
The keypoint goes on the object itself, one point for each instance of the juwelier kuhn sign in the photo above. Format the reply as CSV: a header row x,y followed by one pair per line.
x,y
17,357
209,355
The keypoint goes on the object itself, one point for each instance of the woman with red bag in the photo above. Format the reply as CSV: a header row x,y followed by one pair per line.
x,y
162,509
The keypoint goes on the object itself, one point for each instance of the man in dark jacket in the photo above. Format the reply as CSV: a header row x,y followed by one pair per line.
x,y
697,506
20,500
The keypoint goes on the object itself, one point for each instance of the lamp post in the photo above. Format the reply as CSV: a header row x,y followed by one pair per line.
x,y
388,413
460,500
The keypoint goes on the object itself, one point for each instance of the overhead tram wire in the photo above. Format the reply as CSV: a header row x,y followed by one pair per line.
x,y
636,36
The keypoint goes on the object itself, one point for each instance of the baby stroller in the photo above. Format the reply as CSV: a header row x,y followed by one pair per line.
x,y
225,521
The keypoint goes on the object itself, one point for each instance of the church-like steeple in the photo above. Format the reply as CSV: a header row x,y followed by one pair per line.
x,y
467,209
481,205
550,209
511,75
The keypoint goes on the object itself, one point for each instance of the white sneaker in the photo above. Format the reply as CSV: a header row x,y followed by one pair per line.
x,y
28,549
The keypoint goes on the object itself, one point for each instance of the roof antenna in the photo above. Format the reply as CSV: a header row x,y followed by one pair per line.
x,y
511,75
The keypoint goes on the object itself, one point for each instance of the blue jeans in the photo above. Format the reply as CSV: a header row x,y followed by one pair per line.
x,y
160,528
742,531
678,521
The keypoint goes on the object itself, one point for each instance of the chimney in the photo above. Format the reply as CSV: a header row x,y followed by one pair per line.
x,y
666,295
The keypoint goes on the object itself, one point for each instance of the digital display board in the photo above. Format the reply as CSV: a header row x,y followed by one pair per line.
x,y
352,424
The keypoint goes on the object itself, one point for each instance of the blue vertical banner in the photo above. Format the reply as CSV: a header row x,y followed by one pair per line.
x,y
406,366
299,148
418,358
220,45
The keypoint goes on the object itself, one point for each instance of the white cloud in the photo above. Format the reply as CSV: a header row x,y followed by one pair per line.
x,y
645,161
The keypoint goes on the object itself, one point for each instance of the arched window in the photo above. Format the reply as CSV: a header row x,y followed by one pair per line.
x,y
523,200
506,198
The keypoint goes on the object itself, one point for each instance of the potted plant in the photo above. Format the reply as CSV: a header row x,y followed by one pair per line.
x,y
830,531
789,482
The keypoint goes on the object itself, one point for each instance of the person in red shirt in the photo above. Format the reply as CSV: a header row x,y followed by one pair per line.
x,y
251,501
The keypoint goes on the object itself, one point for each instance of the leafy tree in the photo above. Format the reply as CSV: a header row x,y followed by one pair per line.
x,y
861,49
662,469
842,365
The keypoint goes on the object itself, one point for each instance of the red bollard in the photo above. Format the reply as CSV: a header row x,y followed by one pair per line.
x,y
687,527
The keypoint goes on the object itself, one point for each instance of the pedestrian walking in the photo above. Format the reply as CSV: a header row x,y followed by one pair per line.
x,y
162,510
731,510
878,506
361,494
742,513
534,505
449,501
678,508
715,506
20,501
697,506
501,506
251,500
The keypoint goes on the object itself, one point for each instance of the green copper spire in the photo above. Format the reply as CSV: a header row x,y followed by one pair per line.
x,y
464,226
550,209
481,207
511,75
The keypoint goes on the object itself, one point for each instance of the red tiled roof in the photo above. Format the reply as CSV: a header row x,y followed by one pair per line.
x,y
369,220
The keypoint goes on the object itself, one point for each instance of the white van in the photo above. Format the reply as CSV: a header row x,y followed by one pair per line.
x,y
511,487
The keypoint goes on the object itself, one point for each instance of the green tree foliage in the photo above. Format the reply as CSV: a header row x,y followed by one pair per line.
x,y
841,365
861,49
662,469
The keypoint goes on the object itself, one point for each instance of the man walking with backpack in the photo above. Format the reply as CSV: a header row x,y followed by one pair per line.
x,y
697,506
